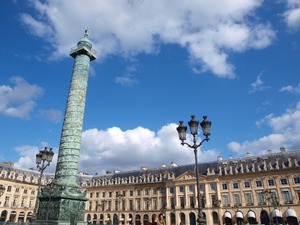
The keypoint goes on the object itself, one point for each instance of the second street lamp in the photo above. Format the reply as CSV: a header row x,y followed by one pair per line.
x,y
43,159
181,129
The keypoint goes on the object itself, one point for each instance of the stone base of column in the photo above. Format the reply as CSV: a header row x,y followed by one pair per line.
x,y
61,205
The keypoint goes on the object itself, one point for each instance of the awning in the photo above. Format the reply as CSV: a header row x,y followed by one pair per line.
x,y
276,213
239,214
290,212
227,214
251,214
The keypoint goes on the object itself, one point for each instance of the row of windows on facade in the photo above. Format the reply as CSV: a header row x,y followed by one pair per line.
x,y
17,190
258,183
15,202
29,178
235,185
152,204
147,202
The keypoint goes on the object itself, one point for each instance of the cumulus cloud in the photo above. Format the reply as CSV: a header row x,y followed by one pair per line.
x,y
285,132
291,89
27,157
114,149
13,100
292,14
209,31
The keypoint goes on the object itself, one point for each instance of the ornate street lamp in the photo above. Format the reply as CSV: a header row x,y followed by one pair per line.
x,y
271,200
2,189
43,159
181,129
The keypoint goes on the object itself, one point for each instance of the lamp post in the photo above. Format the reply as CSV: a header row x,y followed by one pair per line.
x,y
181,129
2,189
119,200
43,159
272,200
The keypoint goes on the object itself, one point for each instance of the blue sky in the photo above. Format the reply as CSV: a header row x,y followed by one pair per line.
x,y
158,63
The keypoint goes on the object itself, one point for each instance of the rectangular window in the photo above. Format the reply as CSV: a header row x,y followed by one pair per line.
x,y
271,182
110,194
182,202
25,191
91,195
258,183
154,204
224,186
260,198
297,180
109,205
213,186
116,205
17,190
247,184
154,191
235,185
283,181
123,204
191,188
286,197
201,187
23,202
192,203
138,192
131,192
15,202
225,200
181,189
146,191
237,199
8,188
6,202
248,198
172,203
131,205
103,194
171,190
97,194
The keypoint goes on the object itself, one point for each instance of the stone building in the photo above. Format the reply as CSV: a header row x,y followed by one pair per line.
x,y
21,188
252,190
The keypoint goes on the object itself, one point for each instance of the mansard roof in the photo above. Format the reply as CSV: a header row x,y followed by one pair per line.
x,y
268,161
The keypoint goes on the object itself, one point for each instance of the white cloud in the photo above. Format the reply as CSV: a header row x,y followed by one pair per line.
x,y
13,101
285,132
27,157
115,149
259,84
290,88
126,80
292,14
208,30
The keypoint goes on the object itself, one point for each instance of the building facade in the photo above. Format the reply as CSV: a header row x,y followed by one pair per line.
x,y
261,189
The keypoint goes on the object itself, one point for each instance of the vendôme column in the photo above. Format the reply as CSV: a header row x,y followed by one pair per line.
x,y
64,201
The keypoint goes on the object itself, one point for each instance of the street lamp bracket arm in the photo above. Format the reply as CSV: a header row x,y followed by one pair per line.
x,y
194,146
